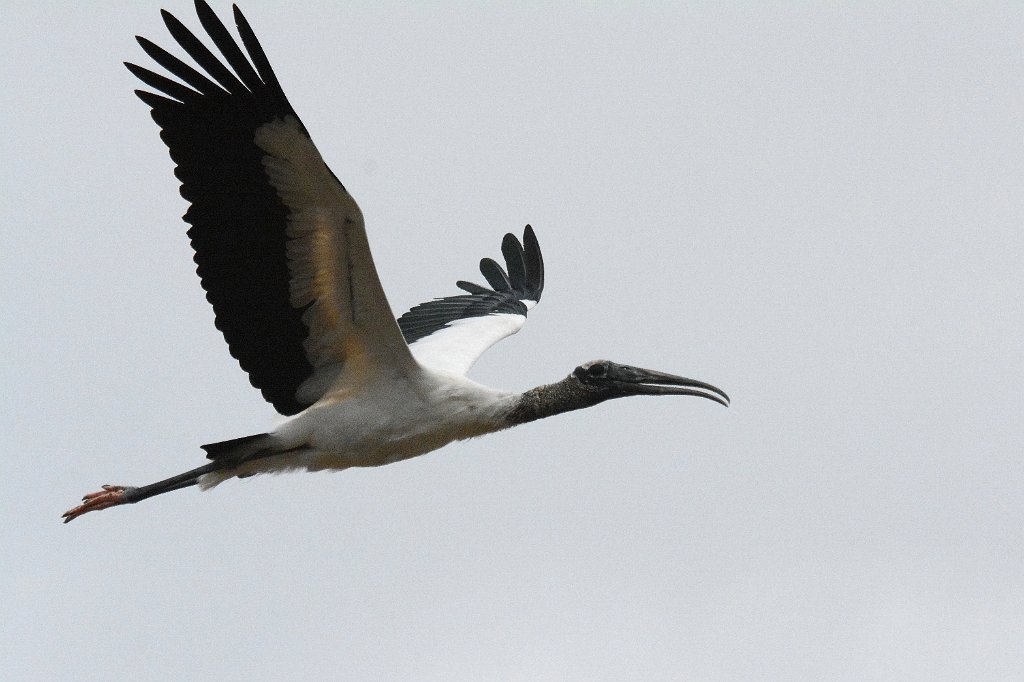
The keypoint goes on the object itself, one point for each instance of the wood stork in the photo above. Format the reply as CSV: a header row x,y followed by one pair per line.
x,y
282,253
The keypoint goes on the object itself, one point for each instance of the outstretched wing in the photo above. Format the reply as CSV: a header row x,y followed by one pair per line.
x,y
449,334
280,245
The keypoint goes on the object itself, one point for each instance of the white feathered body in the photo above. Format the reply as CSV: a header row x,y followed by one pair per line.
x,y
381,423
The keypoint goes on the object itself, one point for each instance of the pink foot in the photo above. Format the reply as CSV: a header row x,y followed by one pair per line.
x,y
110,496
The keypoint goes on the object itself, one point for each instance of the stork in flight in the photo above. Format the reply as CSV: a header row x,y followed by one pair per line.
x,y
282,253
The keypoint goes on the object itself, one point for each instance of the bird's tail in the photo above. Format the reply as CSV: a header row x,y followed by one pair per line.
x,y
230,454
237,449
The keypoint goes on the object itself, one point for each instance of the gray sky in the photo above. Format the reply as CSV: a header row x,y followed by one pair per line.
x,y
817,207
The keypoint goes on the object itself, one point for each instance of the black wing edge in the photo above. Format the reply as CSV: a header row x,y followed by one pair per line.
x,y
523,281
525,276
208,118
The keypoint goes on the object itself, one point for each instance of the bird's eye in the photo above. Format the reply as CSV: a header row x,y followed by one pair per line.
x,y
597,371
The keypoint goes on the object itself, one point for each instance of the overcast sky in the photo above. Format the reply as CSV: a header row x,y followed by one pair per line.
x,y
816,206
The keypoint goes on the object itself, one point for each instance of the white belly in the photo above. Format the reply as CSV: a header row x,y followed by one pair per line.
x,y
377,427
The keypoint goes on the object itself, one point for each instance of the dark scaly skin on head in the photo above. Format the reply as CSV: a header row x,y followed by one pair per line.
x,y
594,382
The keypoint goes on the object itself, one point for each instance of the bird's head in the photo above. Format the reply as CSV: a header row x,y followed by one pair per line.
x,y
605,379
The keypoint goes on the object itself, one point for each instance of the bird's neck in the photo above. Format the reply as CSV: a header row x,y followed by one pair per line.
x,y
551,399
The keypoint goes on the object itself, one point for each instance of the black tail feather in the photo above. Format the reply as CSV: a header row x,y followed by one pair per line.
x,y
246,445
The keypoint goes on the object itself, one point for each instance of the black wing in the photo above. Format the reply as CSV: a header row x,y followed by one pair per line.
x,y
279,243
451,333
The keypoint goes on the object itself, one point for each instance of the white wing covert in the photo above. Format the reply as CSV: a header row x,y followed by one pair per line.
x,y
450,334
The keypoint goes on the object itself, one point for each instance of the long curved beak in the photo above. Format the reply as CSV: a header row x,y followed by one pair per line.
x,y
639,381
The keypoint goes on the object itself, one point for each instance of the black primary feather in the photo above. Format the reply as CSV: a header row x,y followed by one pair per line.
x,y
208,123
524,282
238,222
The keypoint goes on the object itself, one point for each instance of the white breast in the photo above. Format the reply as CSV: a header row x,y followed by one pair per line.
x,y
394,422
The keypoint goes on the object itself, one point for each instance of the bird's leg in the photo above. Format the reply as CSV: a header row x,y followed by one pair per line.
x,y
113,495
109,496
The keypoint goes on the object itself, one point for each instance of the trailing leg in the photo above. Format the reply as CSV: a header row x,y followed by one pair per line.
x,y
114,495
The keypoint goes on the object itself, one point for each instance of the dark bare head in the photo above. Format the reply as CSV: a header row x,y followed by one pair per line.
x,y
612,380
594,382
